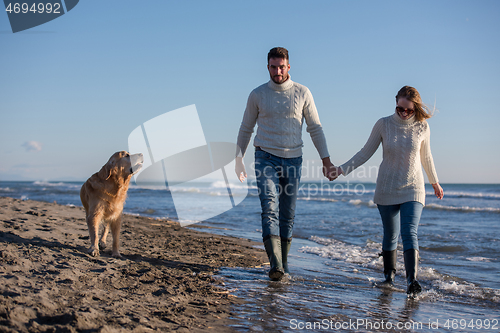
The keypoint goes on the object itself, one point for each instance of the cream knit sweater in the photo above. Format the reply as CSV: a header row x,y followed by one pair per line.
x,y
279,111
406,146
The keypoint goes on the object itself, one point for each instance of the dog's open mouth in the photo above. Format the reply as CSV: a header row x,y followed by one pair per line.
x,y
136,161
135,169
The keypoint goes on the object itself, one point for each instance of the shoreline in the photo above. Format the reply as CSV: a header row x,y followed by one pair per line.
x,y
165,280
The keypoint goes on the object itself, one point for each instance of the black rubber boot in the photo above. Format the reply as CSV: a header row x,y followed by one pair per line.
x,y
286,243
273,249
411,265
389,266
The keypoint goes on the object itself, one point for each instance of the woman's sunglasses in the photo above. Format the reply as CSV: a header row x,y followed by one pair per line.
x,y
403,110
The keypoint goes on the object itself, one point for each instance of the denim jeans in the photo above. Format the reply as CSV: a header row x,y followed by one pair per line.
x,y
278,184
403,217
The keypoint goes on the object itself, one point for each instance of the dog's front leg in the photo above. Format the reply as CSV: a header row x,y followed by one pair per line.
x,y
102,241
93,225
115,231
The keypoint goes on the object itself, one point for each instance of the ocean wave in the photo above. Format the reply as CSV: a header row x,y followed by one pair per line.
x,y
43,183
223,184
463,208
5,189
356,202
243,187
218,184
58,184
170,188
316,199
447,284
367,256
483,259
175,189
480,195
150,187
209,187
334,249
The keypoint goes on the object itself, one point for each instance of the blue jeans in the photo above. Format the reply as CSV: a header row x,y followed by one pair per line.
x,y
404,217
278,184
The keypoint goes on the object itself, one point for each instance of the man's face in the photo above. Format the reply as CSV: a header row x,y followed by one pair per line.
x,y
278,69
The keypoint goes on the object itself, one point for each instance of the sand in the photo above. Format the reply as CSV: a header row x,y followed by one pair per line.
x,y
166,280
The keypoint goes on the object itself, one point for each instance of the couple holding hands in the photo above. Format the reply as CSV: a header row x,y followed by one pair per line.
x,y
279,108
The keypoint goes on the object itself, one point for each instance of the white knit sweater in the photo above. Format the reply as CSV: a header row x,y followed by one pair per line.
x,y
279,111
406,146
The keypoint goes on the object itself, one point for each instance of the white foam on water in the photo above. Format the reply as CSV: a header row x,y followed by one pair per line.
x,y
316,199
463,208
367,256
446,284
238,186
44,183
150,187
357,202
59,184
175,189
454,194
478,259
218,184
467,289
334,249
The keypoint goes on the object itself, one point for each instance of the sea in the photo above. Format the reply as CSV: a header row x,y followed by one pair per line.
x,y
335,265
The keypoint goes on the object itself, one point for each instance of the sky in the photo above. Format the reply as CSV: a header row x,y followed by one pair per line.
x,y
73,89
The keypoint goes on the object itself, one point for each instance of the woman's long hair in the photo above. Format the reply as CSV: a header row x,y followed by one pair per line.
x,y
422,111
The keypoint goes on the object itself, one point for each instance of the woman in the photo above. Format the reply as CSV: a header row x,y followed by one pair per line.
x,y
400,191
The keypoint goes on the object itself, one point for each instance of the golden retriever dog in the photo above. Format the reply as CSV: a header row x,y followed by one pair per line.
x,y
103,196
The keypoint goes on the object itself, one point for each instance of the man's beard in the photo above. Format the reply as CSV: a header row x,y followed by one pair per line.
x,y
283,79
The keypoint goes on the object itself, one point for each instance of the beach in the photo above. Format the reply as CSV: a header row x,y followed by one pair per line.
x,y
165,281
180,279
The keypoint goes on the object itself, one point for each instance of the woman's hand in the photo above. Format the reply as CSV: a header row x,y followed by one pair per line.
x,y
329,170
240,169
438,191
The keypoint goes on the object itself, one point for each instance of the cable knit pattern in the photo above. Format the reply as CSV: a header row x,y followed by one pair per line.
x,y
406,146
279,111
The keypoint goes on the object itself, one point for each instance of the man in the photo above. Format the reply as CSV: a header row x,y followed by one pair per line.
x,y
279,108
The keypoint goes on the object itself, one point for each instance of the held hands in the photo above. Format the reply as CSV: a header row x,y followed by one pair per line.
x,y
240,169
438,191
330,171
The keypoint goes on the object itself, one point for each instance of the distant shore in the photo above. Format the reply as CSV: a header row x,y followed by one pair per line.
x,y
165,280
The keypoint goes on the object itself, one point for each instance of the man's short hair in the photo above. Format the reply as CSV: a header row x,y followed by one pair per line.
x,y
278,52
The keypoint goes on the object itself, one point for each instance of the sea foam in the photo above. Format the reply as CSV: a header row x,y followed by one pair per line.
x,y
367,256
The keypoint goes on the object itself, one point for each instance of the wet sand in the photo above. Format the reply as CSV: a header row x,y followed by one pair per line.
x,y
164,282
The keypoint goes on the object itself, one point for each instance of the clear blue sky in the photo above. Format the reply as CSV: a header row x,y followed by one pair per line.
x,y
73,89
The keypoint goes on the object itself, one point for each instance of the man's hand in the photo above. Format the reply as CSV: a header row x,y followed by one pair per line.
x,y
240,169
329,170
438,191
